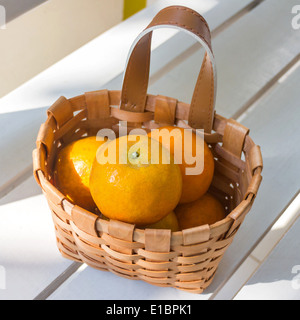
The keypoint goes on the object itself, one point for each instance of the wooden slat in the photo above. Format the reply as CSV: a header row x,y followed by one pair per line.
x,y
28,252
19,131
106,285
274,125
261,252
278,277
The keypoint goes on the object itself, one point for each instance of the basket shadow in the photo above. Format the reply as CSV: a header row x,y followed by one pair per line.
x,y
19,131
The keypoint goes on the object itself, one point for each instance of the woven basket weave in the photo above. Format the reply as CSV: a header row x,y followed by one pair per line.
x,y
186,259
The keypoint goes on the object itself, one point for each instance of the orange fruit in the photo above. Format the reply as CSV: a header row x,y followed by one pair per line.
x,y
168,222
73,168
127,186
194,184
206,210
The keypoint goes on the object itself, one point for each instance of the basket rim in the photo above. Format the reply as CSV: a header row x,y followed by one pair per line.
x,y
40,153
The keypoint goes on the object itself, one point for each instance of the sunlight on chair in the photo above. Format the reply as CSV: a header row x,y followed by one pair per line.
x,y
289,216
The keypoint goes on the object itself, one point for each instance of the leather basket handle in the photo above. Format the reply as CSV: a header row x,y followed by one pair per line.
x,y
136,76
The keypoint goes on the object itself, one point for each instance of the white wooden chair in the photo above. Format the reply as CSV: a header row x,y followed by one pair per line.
x,y
257,53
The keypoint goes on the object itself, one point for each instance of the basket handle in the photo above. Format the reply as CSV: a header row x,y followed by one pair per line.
x,y
136,76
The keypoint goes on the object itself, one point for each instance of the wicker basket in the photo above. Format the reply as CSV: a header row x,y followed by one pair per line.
x,y
187,259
